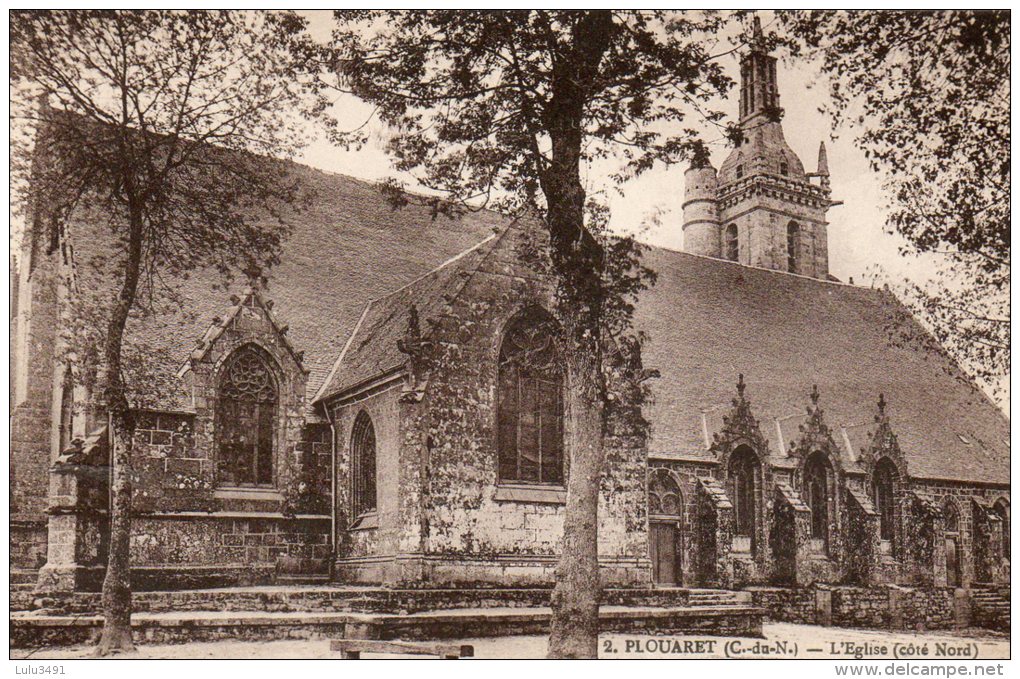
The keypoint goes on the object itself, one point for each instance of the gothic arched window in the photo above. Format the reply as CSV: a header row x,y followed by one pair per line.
x,y
792,238
732,243
817,477
954,554
246,418
1001,510
743,474
664,497
530,401
884,480
363,493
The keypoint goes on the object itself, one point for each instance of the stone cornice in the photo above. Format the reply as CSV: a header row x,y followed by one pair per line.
x,y
774,186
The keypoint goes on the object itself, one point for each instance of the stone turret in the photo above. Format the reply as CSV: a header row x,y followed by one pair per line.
x,y
701,212
823,165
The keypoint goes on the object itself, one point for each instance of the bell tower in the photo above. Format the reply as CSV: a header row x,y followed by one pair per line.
x,y
761,208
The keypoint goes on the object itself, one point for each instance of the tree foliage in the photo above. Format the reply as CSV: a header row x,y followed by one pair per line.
x,y
928,93
147,124
511,110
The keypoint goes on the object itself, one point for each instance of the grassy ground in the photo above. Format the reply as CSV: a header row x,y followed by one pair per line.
x,y
781,641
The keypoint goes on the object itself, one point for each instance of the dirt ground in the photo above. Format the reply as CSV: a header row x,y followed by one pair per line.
x,y
782,641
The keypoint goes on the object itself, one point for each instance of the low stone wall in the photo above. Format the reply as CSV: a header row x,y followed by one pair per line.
x,y
365,600
786,604
28,544
867,607
882,607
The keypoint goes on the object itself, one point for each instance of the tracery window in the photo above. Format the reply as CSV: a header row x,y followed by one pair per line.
x,y
743,475
246,419
792,238
363,465
884,480
817,475
664,498
530,401
732,243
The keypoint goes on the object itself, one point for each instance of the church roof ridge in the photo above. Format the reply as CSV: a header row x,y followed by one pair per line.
x,y
723,260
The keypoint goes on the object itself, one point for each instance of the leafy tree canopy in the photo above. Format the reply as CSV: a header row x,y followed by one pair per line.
x,y
928,94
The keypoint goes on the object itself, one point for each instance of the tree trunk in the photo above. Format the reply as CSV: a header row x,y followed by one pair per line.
x,y
575,599
117,583
578,262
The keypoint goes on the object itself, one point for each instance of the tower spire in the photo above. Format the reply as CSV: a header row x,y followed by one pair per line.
x,y
759,93
757,37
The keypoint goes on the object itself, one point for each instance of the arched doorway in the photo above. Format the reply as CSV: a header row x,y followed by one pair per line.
x,y
665,528
951,521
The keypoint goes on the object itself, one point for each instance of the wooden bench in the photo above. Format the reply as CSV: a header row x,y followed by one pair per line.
x,y
351,649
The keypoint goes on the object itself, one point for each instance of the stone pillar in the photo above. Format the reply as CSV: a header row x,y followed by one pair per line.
x,y
823,606
76,530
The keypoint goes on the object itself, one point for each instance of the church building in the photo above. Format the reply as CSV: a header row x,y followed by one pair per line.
x,y
388,409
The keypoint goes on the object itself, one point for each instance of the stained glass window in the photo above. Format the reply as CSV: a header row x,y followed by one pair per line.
x,y
743,471
530,401
246,419
885,498
816,494
363,465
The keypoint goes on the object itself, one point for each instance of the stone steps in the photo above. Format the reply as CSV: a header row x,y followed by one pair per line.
x,y
324,599
24,576
30,630
990,606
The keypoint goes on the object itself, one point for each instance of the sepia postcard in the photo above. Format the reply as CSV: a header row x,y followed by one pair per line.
x,y
510,334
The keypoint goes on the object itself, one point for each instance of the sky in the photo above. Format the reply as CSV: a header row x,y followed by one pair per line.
x,y
858,240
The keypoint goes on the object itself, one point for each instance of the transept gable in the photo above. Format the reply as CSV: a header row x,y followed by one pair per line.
x,y
740,427
815,436
884,444
249,320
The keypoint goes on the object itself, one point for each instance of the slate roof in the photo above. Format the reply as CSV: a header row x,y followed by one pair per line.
x,y
372,348
345,249
707,320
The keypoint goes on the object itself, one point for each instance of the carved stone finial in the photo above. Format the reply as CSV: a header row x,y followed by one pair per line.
x,y
740,385
815,396
881,405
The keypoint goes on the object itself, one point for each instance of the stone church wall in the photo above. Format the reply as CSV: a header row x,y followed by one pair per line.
x,y
32,425
454,522
367,549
